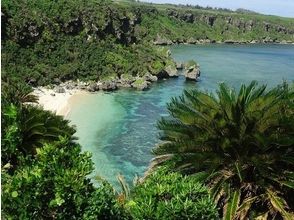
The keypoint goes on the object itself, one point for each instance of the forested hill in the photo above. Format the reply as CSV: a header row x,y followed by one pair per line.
x,y
46,42
191,23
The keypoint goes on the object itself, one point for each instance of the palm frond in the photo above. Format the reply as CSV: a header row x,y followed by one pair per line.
x,y
232,205
279,204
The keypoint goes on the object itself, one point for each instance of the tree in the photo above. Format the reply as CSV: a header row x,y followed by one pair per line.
x,y
16,92
243,143
26,128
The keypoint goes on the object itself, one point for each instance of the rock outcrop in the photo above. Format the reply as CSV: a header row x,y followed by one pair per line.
x,y
125,81
93,87
179,65
59,89
172,71
108,86
162,41
151,78
192,72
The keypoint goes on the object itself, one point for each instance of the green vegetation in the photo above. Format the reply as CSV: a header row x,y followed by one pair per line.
x,y
187,24
55,186
45,175
55,41
139,82
190,64
241,142
86,41
239,145
165,195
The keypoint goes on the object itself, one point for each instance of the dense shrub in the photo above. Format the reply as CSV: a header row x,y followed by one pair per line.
x,y
44,173
171,196
86,41
55,186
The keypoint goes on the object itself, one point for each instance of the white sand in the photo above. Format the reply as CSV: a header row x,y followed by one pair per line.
x,y
55,102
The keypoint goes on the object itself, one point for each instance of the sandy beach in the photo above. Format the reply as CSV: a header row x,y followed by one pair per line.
x,y
55,102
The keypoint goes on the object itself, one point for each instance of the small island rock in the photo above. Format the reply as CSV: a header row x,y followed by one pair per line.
x,y
192,73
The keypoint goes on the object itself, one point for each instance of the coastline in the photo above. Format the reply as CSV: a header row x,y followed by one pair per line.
x,y
227,42
58,103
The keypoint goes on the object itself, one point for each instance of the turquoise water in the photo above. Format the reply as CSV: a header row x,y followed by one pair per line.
x,y
119,128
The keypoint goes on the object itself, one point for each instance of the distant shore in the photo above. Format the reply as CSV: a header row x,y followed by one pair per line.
x,y
165,42
55,102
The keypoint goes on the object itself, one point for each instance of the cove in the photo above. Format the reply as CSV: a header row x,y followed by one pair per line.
x,y
119,128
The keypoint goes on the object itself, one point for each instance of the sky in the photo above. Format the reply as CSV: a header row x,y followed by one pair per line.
x,y
283,8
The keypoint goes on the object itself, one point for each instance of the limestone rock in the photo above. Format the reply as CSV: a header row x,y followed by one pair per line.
x,y
59,89
151,78
162,41
93,87
191,40
172,71
179,65
108,86
192,73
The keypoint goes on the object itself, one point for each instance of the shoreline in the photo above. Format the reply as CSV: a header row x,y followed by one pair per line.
x,y
58,103
223,43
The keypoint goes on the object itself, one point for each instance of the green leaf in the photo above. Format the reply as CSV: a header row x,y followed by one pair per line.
x,y
59,201
14,194
238,171
232,205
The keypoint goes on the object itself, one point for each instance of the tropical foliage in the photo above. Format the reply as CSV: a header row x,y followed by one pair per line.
x,y
44,176
44,173
243,144
165,195
46,42
55,186
88,40
26,127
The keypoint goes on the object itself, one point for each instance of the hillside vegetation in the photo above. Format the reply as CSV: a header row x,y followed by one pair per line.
x,y
189,24
243,140
46,42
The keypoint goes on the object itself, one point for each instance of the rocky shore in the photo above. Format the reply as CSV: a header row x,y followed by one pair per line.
x,y
190,71
56,98
266,40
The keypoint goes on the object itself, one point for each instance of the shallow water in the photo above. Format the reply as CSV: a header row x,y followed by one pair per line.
x,y
119,128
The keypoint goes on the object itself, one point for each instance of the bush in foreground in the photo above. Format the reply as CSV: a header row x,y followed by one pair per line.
x,y
55,186
171,196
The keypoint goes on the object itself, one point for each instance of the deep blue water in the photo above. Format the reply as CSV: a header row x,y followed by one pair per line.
x,y
119,128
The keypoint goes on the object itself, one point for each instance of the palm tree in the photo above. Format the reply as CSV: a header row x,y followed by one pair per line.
x,y
38,126
242,143
17,93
